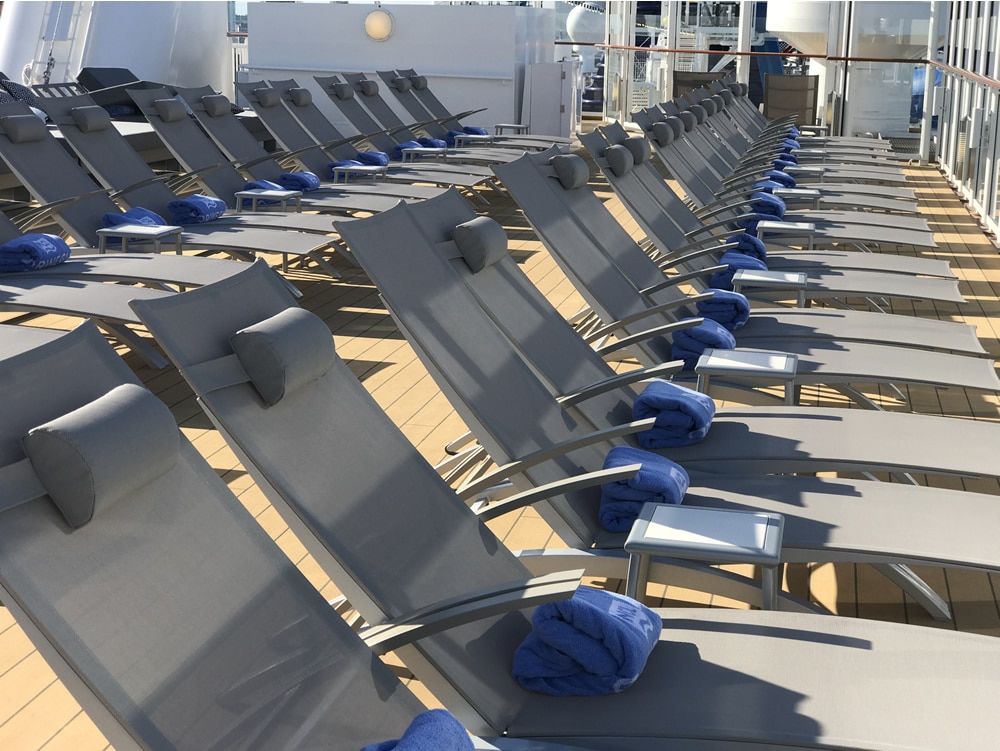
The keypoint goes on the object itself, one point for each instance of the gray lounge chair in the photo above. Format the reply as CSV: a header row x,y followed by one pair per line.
x,y
437,110
47,169
672,226
726,676
556,210
165,609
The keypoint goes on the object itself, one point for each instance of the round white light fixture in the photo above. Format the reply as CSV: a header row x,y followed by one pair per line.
x,y
378,25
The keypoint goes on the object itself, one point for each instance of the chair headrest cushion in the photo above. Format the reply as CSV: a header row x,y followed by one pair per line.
x,y
268,97
91,118
699,112
689,120
419,82
216,105
97,454
710,106
368,88
727,96
719,102
620,159
663,133
23,128
343,91
571,170
640,148
170,110
300,97
481,241
402,84
283,353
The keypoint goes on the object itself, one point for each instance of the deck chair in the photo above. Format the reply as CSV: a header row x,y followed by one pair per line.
x,y
576,374
673,227
231,136
163,607
842,365
49,172
367,91
833,225
565,217
423,93
290,135
706,188
199,155
727,676
820,283
402,88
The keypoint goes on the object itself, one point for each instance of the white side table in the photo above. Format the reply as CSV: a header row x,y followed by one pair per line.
x,y
155,233
256,195
501,128
706,534
750,365
777,280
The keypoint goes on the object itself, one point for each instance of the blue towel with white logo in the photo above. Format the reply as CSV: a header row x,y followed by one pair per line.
x,y
731,309
33,251
682,415
734,262
197,209
433,730
688,344
593,643
373,158
432,143
303,181
658,480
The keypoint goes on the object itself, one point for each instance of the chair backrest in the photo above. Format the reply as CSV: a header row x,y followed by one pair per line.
x,y
169,613
106,153
367,91
402,88
429,99
48,170
371,510
685,81
299,102
188,143
287,131
342,95
791,95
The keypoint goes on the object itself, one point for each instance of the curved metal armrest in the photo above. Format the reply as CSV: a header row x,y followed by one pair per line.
x,y
614,326
628,341
35,214
468,608
687,276
518,466
617,381
543,492
707,246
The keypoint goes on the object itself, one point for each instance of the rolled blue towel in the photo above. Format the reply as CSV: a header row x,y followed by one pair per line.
x,y
749,245
767,186
786,180
591,644
790,143
33,251
304,181
433,730
793,132
683,415
475,130
734,262
450,136
197,209
767,203
658,480
688,344
781,164
135,215
261,185
373,158
397,152
432,143
787,156
731,309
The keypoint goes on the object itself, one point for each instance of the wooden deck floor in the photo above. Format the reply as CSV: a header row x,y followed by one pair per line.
x,y
36,711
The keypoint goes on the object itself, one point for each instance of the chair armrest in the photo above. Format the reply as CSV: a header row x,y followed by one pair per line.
x,y
628,341
456,611
617,381
610,328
